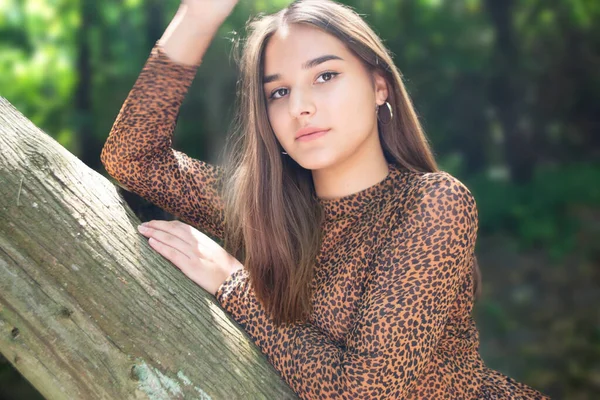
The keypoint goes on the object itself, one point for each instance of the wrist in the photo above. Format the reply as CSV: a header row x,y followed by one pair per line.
x,y
227,271
199,22
187,38
235,265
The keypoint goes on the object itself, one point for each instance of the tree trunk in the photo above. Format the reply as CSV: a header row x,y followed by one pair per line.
x,y
87,309
507,93
87,141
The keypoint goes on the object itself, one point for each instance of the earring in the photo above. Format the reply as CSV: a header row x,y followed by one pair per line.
x,y
391,114
283,152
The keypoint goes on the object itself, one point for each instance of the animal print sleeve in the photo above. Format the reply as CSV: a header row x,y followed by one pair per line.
x,y
414,279
138,152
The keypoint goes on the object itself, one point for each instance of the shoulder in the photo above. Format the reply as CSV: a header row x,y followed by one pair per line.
x,y
438,195
443,187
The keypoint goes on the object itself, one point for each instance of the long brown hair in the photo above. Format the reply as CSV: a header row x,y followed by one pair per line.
x,y
272,217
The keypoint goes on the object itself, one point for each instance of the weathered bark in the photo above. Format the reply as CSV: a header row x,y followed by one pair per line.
x,y
87,309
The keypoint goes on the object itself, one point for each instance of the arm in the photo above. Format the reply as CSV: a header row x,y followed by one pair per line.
x,y
413,281
138,152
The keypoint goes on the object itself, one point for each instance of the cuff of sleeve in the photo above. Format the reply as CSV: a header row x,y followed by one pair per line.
x,y
158,51
166,71
229,290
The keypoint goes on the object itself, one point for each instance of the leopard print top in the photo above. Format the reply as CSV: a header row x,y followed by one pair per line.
x,y
393,287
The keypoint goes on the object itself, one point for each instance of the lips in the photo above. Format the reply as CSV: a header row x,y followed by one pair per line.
x,y
309,130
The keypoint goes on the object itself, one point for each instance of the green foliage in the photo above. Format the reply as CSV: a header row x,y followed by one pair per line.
x,y
485,88
543,213
36,66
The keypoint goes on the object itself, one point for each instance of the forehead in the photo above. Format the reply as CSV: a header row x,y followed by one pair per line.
x,y
295,44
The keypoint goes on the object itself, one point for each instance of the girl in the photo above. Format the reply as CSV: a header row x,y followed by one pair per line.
x,y
358,272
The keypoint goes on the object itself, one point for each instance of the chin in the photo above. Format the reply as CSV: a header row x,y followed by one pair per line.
x,y
315,163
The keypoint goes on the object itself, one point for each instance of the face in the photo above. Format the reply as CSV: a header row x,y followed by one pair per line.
x,y
313,80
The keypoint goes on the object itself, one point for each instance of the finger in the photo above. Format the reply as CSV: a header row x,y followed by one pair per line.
x,y
176,257
175,228
178,235
183,231
169,239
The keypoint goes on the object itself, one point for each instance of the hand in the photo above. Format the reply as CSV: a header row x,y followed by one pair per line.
x,y
219,9
199,257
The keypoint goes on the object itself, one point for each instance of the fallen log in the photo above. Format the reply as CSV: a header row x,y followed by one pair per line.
x,y
88,310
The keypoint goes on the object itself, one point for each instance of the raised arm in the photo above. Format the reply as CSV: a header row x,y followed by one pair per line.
x,y
413,281
138,152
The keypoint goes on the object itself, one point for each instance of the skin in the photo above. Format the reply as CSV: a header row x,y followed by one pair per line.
x,y
339,94
199,257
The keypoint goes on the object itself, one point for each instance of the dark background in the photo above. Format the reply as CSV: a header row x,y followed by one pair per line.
x,y
508,92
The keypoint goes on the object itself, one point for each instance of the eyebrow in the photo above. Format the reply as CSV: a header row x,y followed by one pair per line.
x,y
307,65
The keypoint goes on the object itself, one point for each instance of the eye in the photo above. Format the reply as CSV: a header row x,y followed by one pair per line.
x,y
274,92
279,93
329,74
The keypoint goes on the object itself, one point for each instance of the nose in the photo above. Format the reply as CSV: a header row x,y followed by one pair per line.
x,y
301,104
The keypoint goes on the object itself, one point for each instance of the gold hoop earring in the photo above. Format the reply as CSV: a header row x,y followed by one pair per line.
x,y
391,114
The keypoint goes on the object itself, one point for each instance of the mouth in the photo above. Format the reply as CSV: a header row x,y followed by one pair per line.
x,y
312,136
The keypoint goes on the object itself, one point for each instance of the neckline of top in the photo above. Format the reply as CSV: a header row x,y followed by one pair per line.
x,y
354,204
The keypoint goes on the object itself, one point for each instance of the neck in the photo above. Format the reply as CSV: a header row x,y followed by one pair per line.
x,y
350,176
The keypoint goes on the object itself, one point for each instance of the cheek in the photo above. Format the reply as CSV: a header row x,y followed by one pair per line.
x,y
278,122
351,108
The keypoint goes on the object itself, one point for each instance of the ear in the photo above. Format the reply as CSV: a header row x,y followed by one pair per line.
x,y
381,88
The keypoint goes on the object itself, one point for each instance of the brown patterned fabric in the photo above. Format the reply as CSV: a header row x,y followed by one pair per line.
x,y
392,290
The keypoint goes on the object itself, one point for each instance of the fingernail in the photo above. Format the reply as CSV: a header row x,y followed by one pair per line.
x,y
142,228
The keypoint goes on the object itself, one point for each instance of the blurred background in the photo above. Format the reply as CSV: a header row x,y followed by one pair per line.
x,y
509,95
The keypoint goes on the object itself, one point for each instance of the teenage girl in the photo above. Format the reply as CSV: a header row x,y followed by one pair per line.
x,y
348,256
